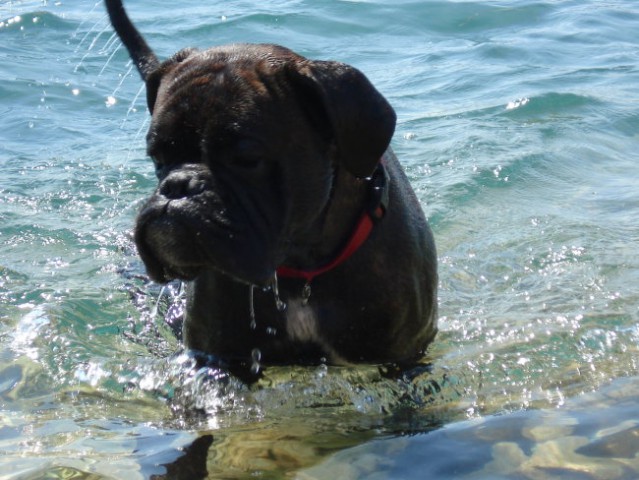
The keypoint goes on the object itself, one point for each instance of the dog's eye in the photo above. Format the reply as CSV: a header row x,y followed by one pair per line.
x,y
247,154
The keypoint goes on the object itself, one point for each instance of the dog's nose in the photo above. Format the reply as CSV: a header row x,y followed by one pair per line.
x,y
180,184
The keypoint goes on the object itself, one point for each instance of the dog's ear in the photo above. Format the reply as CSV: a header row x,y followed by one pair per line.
x,y
155,77
360,120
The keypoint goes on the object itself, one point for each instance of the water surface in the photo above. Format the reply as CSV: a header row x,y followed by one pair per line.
x,y
518,125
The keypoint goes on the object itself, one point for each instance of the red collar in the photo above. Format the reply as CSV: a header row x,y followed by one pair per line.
x,y
378,197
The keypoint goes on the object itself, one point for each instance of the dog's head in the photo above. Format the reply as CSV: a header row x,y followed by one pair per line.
x,y
246,140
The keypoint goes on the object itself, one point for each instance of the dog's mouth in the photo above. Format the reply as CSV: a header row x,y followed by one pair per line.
x,y
179,238
164,257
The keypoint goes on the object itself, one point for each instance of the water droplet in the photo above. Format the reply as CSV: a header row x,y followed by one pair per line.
x,y
271,331
279,304
322,370
306,293
253,323
256,356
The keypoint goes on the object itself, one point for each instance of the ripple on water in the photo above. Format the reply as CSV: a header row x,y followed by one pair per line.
x,y
518,127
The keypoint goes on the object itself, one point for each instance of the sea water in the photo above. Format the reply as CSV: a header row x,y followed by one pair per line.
x,y
518,126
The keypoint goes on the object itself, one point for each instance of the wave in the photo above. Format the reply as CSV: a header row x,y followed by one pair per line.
x,y
458,18
551,105
33,20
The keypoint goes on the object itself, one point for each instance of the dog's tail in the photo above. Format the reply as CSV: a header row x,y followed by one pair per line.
x,y
144,58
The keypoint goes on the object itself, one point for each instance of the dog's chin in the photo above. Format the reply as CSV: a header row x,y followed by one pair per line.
x,y
171,253
163,273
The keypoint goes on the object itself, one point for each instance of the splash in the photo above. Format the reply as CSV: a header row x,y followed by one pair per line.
x,y
520,102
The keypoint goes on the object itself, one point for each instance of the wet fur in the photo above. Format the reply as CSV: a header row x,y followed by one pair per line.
x,y
263,159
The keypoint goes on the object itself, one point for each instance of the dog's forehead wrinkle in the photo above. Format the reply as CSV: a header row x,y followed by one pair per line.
x,y
255,66
241,51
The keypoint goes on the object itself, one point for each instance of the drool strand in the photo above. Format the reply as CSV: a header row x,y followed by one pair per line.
x,y
279,304
253,323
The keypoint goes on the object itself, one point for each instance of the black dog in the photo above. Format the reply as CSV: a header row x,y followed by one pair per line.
x,y
282,205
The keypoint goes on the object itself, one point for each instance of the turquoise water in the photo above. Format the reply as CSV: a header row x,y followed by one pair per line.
x,y
518,124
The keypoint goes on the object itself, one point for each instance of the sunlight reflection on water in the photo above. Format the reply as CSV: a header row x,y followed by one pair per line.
x,y
518,132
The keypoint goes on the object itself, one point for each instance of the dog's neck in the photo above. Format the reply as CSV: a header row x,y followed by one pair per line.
x,y
356,205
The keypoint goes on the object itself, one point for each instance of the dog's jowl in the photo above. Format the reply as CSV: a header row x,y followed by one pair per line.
x,y
282,206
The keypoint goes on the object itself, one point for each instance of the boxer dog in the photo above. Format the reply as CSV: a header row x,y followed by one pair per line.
x,y
282,207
